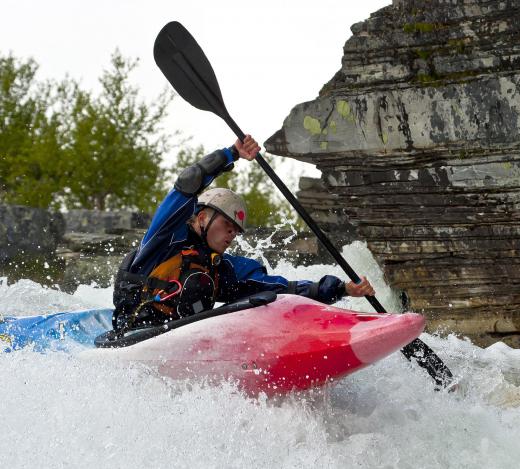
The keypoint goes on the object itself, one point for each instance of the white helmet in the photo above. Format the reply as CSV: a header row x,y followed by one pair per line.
x,y
226,202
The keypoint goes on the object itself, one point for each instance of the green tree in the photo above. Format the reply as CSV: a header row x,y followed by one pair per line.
x,y
62,146
114,146
30,138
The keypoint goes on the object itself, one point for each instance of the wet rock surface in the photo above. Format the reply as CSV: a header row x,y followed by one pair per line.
x,y
417,137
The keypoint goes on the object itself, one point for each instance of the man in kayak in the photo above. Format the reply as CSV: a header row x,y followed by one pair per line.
x,y
180,267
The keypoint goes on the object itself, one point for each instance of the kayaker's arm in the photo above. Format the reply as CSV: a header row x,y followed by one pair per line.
x,y
179,205
328,290
195,178
190,183
252,278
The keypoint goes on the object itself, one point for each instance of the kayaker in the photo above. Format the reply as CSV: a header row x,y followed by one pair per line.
x,y
180,267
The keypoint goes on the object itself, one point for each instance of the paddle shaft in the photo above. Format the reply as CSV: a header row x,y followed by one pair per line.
x,y
305,216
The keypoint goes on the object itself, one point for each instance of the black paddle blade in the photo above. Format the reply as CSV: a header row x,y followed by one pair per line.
x,y
427,359
187,68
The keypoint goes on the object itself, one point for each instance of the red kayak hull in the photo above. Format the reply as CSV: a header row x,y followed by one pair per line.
x,y
291,344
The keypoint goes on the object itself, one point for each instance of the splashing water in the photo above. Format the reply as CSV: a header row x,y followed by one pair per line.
x,y
59,410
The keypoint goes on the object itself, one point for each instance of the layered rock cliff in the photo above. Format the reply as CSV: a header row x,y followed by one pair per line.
x,y
417,137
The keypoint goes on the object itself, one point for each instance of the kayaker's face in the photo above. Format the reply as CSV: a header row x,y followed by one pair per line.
x,y
221,233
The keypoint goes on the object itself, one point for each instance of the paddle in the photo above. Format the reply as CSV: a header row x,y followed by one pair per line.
x,y
188,70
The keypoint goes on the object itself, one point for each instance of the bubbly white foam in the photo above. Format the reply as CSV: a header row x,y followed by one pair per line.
x,y
59,410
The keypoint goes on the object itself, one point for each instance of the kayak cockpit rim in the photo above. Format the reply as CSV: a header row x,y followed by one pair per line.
x,y
114,339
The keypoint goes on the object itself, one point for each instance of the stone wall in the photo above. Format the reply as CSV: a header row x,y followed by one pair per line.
x,y
96,221
417,137
27,231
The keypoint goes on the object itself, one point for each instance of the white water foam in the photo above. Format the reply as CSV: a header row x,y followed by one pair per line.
x,y
58,410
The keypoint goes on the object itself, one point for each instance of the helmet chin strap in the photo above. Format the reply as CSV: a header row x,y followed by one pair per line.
x,y
204,230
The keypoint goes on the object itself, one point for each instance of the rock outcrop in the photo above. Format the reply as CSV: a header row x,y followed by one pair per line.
x,y
417,137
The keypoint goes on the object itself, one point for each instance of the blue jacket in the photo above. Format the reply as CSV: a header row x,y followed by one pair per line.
x,y
238,276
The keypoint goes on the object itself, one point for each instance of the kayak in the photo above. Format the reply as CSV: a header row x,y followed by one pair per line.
x,y
65,331
275,346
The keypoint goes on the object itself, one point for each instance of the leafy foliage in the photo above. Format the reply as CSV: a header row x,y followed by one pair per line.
x,y
61,145
30,139
113,154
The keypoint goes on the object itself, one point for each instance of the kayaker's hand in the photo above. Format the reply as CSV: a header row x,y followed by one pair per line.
x,y
248,149
359,289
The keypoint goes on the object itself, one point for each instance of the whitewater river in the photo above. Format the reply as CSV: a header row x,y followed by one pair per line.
x,y
60,410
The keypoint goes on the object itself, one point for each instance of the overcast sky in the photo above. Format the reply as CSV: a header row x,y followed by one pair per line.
x,y
268,55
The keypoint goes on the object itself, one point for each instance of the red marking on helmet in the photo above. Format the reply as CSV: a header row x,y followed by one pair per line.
x,y
240,215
